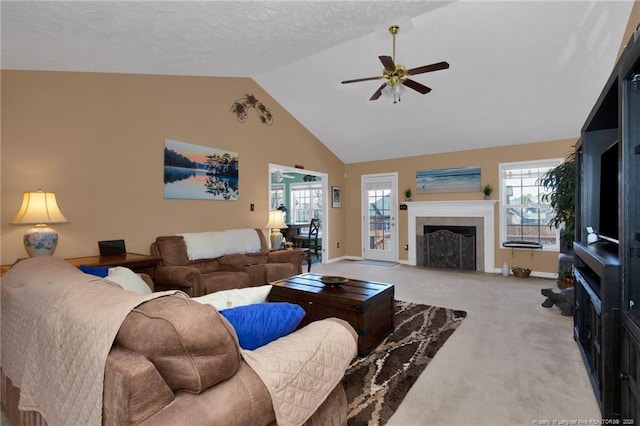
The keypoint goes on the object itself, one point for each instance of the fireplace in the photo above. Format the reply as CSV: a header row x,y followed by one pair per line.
x,y
449,247
478,214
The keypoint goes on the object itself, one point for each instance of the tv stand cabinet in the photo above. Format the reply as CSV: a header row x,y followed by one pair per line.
x,y
596,321
607,285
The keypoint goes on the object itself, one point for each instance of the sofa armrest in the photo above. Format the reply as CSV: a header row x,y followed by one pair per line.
x,y
185,278
133,389
295,257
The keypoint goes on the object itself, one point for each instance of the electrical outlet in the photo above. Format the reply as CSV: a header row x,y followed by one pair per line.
x,y
338,245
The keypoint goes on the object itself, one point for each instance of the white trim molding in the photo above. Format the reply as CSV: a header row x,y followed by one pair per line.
x,y
474,208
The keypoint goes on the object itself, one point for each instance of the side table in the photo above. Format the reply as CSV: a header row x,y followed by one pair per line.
x,y
140,263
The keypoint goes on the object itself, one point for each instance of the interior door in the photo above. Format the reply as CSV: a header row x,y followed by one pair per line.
x,y
379,212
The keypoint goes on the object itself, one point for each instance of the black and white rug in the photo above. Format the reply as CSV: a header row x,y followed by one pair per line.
x,y
376,384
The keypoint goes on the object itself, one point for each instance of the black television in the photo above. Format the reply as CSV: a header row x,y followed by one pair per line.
x,y
609,187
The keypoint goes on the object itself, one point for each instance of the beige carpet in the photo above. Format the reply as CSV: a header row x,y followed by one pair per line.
x,y
511,361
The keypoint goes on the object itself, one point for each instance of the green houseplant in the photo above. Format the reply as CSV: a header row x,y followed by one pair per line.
x,y
565,277
407,194
560,182
487,190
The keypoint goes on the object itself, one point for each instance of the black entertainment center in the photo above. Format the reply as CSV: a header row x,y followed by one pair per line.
x,y
607,271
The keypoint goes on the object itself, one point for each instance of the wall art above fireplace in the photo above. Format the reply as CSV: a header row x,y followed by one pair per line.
x,y
459,179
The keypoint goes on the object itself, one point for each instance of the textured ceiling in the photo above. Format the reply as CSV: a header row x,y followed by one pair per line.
x,y
520,71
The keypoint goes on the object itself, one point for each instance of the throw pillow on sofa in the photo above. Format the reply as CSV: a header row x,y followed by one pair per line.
x,y
226,299
256,325
98,271
128,280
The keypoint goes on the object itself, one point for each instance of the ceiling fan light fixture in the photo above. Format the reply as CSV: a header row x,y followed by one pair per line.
x,y
393,89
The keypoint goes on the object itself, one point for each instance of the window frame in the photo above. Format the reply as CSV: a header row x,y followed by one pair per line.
x,y
276,188
309,186
519,165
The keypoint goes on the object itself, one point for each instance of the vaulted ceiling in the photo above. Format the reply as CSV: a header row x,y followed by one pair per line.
x,y
520,71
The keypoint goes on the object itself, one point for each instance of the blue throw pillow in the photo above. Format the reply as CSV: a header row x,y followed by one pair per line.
x,y
100,271
261,323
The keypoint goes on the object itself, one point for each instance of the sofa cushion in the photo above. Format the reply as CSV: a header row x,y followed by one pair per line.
x,y
256,325
225,280
240,259
190,344
235,297
278,271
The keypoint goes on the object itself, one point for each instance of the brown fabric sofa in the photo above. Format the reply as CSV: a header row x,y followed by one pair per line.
x,y
174,362
204,276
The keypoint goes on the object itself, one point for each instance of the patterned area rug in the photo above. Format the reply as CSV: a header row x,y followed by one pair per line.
x,y
376,384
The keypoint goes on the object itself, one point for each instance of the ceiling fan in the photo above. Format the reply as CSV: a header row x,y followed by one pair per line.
x,y
278,176
397,75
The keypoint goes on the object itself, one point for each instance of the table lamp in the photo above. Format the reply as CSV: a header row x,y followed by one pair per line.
x,y
39,209
276,222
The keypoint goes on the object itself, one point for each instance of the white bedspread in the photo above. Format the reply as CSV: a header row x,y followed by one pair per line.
x,y
58,326
207,245
300,370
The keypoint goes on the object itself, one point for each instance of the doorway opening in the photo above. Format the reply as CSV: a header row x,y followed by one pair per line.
x,y
302,195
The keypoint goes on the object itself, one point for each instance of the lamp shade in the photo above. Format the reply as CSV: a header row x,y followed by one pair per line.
x,y
276,220
38,208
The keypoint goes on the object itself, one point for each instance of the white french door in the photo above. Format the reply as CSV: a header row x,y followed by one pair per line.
x,y
379,212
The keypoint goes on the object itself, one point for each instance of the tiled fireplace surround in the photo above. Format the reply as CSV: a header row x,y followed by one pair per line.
x,y
478,213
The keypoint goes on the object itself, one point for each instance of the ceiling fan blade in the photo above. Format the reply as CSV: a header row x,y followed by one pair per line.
x,y
362,79
377,93
387,61
418,87
428,68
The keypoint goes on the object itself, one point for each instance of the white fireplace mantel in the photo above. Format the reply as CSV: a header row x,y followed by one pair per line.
x,y
475,208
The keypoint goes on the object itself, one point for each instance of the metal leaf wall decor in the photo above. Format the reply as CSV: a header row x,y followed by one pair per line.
x,y
242,105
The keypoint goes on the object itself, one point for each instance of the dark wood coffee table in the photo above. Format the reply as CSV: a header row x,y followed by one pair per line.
x,y
366,305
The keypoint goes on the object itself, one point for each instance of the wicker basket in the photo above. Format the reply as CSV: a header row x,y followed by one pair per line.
x,y
521,272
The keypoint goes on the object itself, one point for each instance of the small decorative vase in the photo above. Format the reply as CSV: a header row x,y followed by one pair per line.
x,y
505,269
487,196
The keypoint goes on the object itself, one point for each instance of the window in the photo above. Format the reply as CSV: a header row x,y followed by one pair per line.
x,y
277,196
523,214
306,202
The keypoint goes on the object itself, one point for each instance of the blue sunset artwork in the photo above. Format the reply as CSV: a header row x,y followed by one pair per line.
x,y
199,172
459,179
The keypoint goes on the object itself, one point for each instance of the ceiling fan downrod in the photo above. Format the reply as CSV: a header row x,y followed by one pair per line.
x,y
394,30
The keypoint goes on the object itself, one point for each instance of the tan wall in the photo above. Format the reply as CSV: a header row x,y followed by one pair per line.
x,y
486,159
97,141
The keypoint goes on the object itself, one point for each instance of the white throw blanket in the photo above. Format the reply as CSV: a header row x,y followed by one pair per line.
x,y
58,326
301,369
208,245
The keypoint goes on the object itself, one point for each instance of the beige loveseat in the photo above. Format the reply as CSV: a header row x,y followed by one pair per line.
x,y
167,359
222,269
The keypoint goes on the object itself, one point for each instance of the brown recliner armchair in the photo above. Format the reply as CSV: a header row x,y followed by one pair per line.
x,y
239,270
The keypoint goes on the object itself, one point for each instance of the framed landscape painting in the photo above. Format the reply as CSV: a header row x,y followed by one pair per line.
x,y
199,172
459,179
